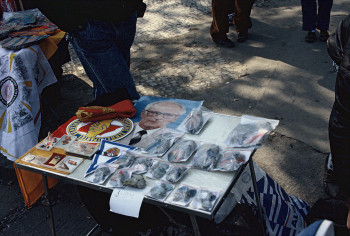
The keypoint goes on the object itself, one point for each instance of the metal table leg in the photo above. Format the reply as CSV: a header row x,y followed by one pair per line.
x,y
47,204
93,230
257,197
195,225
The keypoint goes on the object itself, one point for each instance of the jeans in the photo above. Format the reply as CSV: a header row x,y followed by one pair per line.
x,y
104,51
316,18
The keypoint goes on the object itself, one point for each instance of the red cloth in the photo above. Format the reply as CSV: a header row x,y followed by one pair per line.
x,y
124,109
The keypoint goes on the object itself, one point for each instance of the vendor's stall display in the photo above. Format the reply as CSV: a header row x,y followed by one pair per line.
x,y
181,150
160,190
206,156
82,149
250,132
65,141
195,121
183,195
53,161
69,164
34,159
205,200
231,159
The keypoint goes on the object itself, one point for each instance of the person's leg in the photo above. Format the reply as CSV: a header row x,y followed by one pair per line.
x,y
324,14
339,139
309,11
242,18
219,26
105,61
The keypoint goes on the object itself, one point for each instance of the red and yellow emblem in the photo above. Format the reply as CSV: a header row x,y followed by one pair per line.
x,y
110,130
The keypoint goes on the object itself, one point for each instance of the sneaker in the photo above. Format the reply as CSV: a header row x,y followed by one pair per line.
x,y
324,35
329,184
225,42
242,37
310,37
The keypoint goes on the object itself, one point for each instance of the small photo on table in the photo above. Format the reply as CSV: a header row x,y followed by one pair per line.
x,y
53,160
82,148
69,164
34,159
48,143
65,141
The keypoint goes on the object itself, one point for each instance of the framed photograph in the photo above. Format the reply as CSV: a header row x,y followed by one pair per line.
x,y
65,141
69,164
53,160
83,149
47,144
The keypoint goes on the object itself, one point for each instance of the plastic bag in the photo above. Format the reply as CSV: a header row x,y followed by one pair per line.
x,y
181,150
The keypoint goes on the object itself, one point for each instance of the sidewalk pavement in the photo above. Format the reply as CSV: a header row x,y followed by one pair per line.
x,y
275,74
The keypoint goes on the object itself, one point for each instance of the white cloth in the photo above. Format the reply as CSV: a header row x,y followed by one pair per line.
x,y
24,75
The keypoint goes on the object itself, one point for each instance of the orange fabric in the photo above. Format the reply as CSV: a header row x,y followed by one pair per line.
x,y
124,109
31,184
49,45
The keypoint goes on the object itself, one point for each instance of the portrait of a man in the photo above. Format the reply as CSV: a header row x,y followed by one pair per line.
x,y
156,113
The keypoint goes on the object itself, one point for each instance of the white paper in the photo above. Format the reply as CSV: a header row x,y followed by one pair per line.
x,y
126,202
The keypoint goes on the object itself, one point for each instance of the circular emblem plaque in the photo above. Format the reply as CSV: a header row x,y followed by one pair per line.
x,y
110,130
9,91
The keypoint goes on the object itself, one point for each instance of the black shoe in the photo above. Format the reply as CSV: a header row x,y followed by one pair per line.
x,y
329,184
225,42
310,37
242,37
324,35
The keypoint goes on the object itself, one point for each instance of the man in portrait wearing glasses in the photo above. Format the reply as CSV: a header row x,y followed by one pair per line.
x,y
156,115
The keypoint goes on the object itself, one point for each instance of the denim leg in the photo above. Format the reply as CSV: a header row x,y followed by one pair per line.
x,y
309,10
104,51
324,14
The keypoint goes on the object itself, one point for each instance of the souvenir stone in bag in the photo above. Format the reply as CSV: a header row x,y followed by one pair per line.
x,y
160,190
142,164
206,156
158,169
250,132
183,195
118,178
231,159
205,200
175,173
181,150
195,121
160,141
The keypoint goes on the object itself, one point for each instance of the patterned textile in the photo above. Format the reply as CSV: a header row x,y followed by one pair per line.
x,y
284,214
24,29
23,76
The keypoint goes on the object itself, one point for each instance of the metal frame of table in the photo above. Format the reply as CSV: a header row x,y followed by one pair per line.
x,y
73,179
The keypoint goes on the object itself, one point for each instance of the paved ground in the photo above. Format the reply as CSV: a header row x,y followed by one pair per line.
x,y
274,75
